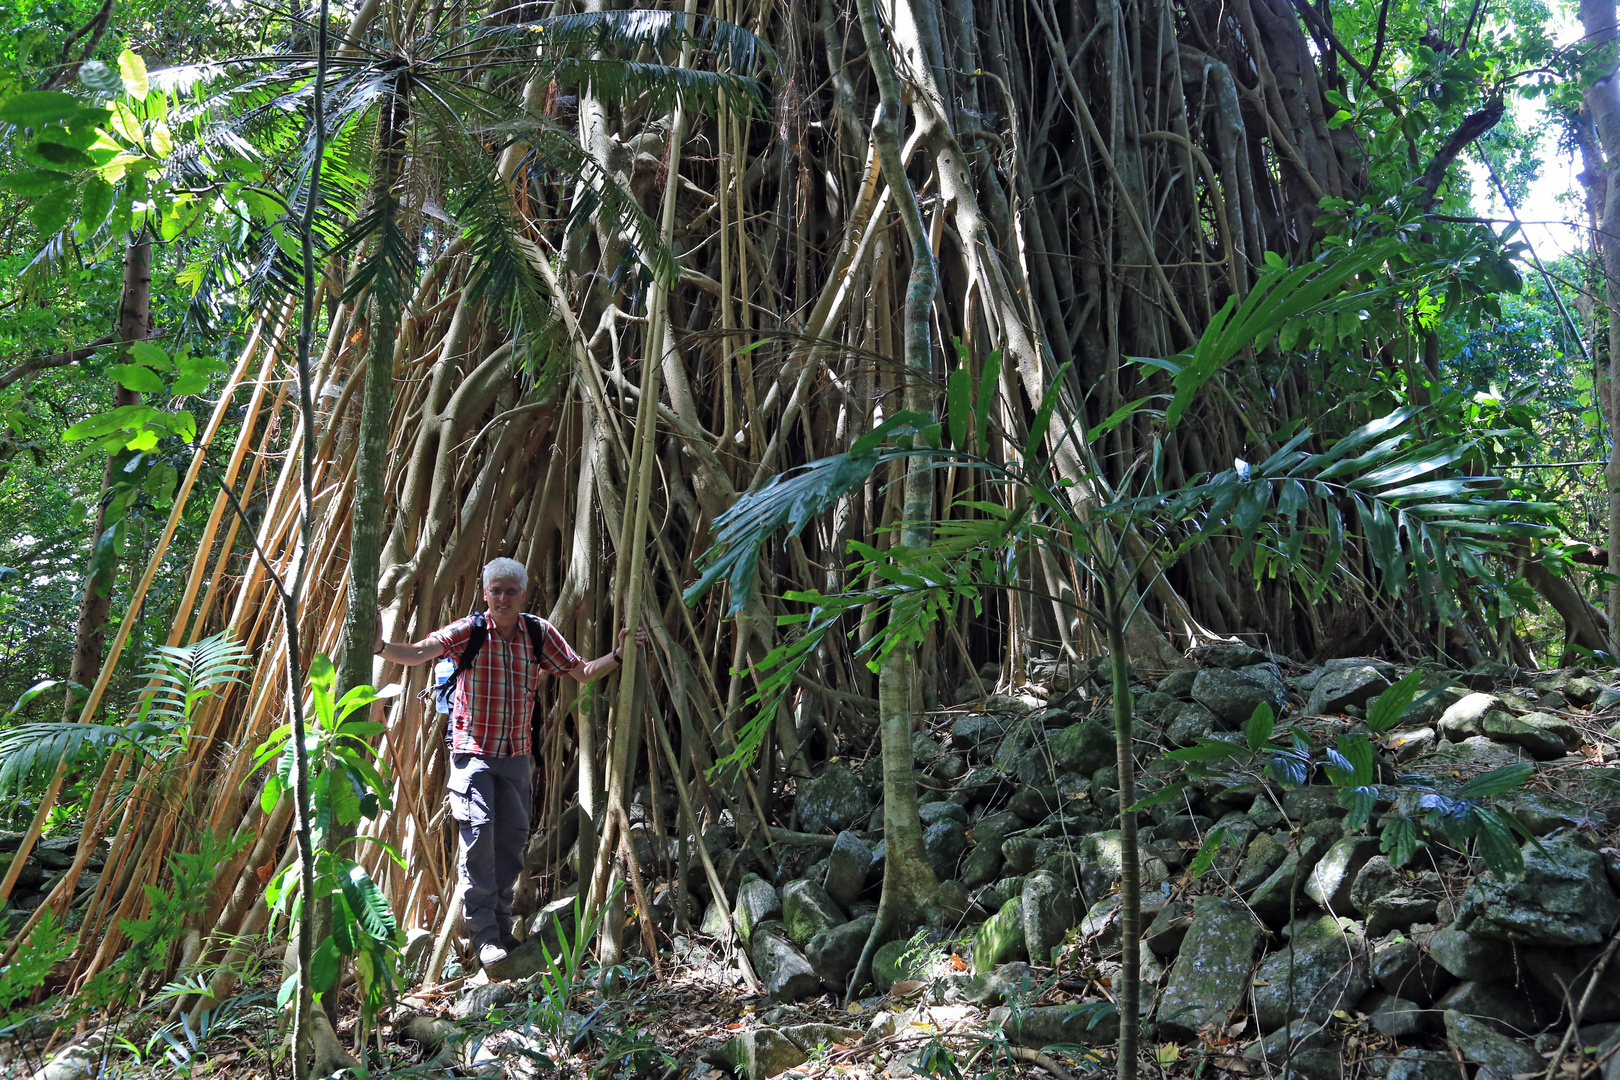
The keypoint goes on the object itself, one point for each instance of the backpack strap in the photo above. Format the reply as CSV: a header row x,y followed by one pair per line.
x,y
475,644
537,635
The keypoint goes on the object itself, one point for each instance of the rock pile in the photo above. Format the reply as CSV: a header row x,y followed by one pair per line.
x,y
1301,940
45,863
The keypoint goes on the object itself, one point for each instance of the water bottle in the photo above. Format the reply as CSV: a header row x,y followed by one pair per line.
x,y
441,677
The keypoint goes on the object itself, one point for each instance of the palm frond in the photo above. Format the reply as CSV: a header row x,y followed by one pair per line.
x,y
183,675
731,46
30,754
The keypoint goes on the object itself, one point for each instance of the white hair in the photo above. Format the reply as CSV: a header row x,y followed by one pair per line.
x,y
505,570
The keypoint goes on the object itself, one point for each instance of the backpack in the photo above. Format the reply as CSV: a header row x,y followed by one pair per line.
x,y
475,644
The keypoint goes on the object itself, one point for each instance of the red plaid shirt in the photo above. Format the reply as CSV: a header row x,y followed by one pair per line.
x,y
494,699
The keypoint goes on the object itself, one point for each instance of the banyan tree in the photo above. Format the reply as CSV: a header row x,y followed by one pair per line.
x,y
573,311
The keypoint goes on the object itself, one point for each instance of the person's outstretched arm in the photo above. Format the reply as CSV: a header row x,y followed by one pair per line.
x,y
595,669
410,655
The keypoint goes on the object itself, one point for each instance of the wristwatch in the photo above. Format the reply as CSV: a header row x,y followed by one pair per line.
x,y
618,655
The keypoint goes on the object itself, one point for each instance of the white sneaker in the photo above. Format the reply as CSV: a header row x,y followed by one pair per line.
x,y
490,953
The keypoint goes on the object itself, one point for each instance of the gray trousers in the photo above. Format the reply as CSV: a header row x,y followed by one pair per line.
x,y
490,799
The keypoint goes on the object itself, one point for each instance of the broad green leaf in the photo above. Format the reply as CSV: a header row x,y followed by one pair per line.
x,y
52,211
142,380
54,155
1496,844
100,78
132,71
35,181
1392,704
1206,851
1400,841
36,108
323,967
1168,793
989,378
1043,417
1261,724
1206,750
1360,802
95,205
152,356
957,405
1497,781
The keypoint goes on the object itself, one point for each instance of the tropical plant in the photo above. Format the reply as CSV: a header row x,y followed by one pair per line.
x,y
178,679
345,785
1381,477
1460,812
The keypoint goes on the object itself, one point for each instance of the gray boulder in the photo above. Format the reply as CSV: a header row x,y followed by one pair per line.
x,y
1212,969
807,910
1544,735
757,902
1422,1065
1179,683
1001,939
1084,747
1331,879
994,987
783,969
1309,1051
1310,981
834,801
981,866
477,1001
1044,1025
1376,877
1403,969
1498,1057
1233,694
1564,898
1101,865
1188,723
761,1053
1467,759
1020,853
1265,854
1398,1017
1470,957
1347,686
848,867
943,844
1505,1007
834,952
974,731
1049,911
1466,718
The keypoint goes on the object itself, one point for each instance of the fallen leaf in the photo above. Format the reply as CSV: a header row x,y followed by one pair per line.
x,y
907,988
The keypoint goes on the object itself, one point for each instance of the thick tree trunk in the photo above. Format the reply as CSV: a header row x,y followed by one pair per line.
x,y
89,634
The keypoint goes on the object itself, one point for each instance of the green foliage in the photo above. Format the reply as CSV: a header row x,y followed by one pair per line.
x,y
346,784
1419,804
149,939
159,721
48,944
1382,484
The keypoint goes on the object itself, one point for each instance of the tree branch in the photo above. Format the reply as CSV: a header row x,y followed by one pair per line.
x,y
29,368
1475,125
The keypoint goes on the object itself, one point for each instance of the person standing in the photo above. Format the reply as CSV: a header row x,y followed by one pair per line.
x,y
499,656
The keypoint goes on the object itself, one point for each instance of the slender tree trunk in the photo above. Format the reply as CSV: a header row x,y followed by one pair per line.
x,y
1128,991
1598,20
366,532
909,885
89,634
